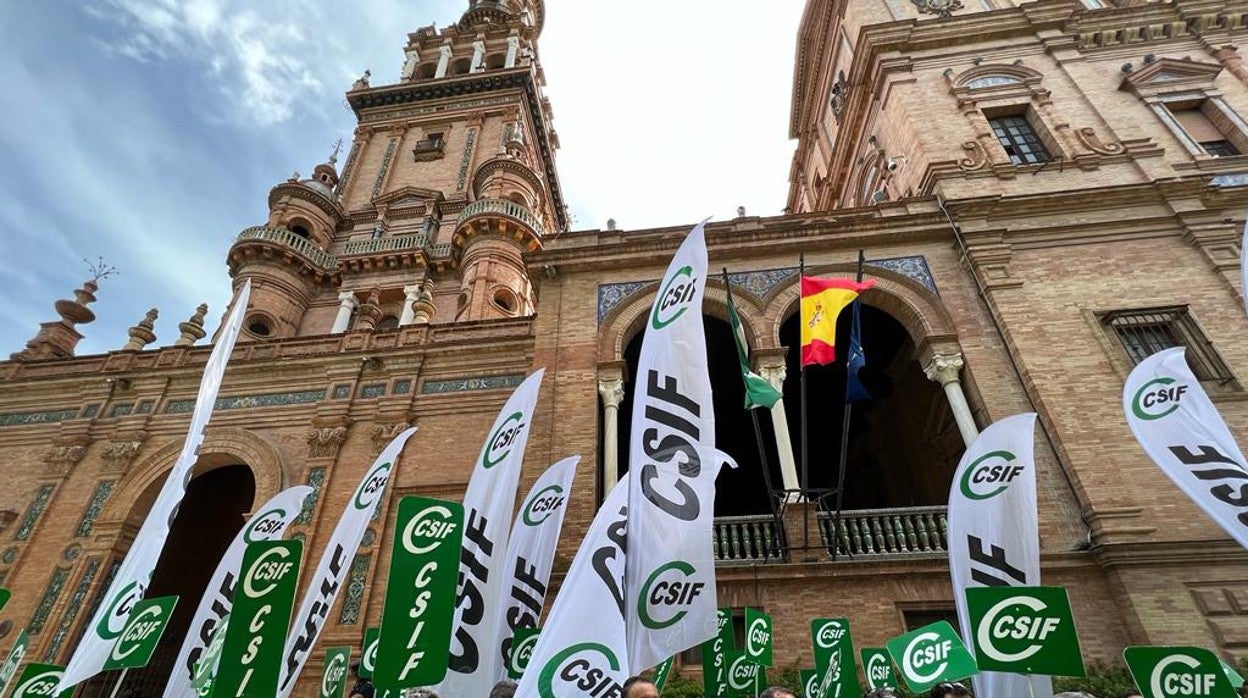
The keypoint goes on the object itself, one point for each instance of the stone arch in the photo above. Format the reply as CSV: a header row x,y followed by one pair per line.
x,y
221,446
996,74
628,319
915,306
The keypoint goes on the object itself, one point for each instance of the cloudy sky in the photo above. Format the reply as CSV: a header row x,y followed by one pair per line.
x,y
150,131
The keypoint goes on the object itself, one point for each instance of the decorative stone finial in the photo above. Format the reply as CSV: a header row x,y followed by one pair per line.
x,y
369,312
193,329
57,339
423,307
143,333
362,82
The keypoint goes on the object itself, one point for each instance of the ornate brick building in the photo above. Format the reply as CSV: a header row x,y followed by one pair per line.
x,y
1045,192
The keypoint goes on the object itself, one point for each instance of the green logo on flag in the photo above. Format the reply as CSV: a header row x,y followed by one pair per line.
x,y
138,641
334,678
368,653
878,668
263,523
664,591
758,637
541,505
742,673
39,681
1166,672
522,644
810,683
1156,398
251,657
990,475
1024,630
588,674
206,668
501,440
674,298
930,655
416,618
16,656
372,486
114,619
834,656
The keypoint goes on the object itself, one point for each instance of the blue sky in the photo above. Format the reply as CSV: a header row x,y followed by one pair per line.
x,y
150,131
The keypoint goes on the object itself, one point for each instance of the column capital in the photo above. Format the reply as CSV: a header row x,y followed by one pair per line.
x,y
773,373
412,291
611,390
944,368
347,298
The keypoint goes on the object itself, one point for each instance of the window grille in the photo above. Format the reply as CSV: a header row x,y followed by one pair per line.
x,y
1020,140
1147,331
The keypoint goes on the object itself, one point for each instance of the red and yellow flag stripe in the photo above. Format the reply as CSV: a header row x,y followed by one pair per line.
x,y
822,302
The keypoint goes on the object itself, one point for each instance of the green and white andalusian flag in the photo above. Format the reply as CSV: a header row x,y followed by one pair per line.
x,y
758,392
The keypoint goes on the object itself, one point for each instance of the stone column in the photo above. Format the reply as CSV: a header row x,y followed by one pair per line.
x,y
444,61
410,58
612,392
944,369
478,56
774,374
347,304
410,295
513,47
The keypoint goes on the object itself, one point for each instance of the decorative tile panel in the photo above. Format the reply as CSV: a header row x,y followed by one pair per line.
x,y
122,410
762,282
316,480
464,161
342,391
373,390
10,554
50,594
350,614
301,397
90,411
102,490
105,583
34,511
36,417
145,407
1238,179
348,169
71,611
456,385
385,166
402,387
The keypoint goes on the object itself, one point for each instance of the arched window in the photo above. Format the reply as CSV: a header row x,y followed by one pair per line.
x,y
461,66
260,325
506,300
494,61
426,71
388,322
301,231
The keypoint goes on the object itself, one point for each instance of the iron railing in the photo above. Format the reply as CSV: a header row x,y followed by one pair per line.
x,y
285,238
747,538
511,209
874,532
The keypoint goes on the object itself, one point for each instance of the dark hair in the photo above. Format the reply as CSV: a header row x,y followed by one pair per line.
x,y
776,692
942,689
633,681
1132,692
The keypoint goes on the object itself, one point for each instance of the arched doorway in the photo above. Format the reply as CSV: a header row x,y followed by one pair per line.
x,y
904,444
738,491
211,514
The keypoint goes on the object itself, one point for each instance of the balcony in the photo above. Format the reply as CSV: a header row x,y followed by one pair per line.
x,y
284,241
399,251
428,149
491,208
747,539
871,534
398,243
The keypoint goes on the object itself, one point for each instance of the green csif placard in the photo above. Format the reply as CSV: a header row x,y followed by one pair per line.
x,y
39,681
522,643
744,676
206,668
662,673
878,668
810,683
1024,630
251,658
16,656
930,655
758,636
834,656
368,652
416,618
334,676
715,656
138,639
1170,672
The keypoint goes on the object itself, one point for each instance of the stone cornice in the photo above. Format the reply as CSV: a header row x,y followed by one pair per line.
x,y
379,99
1170,554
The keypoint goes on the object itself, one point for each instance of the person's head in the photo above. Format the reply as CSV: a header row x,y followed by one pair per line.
x,y
949,689
886,692
1133,693
355,669
640,687
503,689
778,692
423,693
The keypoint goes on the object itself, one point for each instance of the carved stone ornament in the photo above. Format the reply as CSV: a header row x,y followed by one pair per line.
x,y
977,157
62,458
940,8
324,442
944,368
383,434
118,455
1089,139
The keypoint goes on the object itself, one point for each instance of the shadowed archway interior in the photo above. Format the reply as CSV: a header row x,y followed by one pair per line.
x,y
212,513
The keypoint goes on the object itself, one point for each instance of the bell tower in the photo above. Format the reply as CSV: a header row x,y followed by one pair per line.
x,y
449,180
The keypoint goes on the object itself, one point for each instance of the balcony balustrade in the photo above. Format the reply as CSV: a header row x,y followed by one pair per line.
x,y
501,207
282,237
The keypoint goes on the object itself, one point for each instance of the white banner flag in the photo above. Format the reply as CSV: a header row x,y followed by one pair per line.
x,y
581,650
994,533
326,582
1181,430
530,555
671,603
268,523
488,505
135,572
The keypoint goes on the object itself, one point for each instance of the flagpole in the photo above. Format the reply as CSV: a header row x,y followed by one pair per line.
x,y
758,435
801,273
120,680
840,475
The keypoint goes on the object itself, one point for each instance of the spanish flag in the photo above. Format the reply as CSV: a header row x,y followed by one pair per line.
x,y
822,301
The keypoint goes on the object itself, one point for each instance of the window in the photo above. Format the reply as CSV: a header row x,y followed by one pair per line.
x,y
388,322
1207,126
919,617
1020,140
300,231
1145,332
1219,149
260,326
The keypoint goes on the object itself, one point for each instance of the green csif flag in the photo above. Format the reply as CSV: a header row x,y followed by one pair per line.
x,y
758,392
758,636
878,668
1167,672
1024,630
39,681
931,654
16,656
368,652
334,677
142,632
251,656
206,668
522,643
